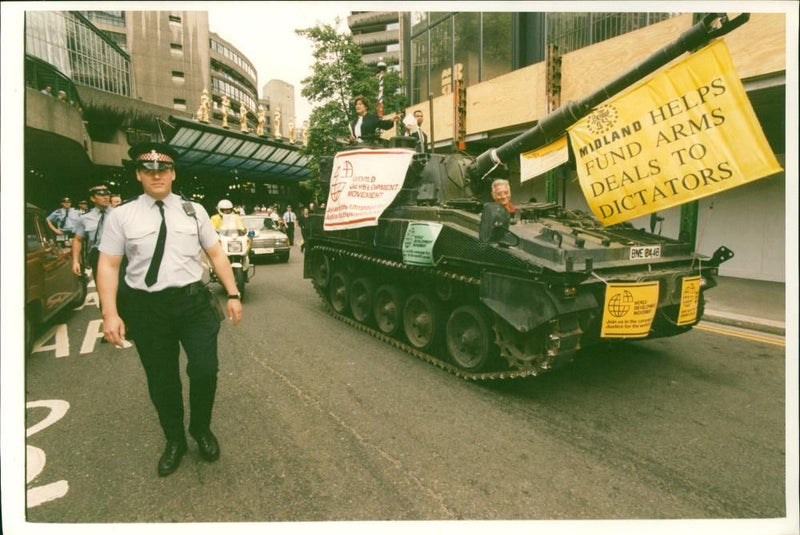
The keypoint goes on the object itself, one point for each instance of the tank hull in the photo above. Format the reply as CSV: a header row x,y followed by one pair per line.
x,y
486,311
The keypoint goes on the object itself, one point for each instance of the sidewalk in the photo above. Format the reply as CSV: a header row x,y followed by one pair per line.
x,y
751,304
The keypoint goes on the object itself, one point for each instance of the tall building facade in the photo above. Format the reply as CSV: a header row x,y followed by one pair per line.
x,y
174,57
379,34
280,96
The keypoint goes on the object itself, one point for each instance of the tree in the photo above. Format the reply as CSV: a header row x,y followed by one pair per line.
x,y
338,75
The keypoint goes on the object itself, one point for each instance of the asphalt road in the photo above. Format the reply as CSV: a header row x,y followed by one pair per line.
x,y
320,422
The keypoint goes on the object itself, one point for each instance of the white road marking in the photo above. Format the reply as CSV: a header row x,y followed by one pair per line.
x,y
45,493
60,343
58,408
91,299
94,330
36,458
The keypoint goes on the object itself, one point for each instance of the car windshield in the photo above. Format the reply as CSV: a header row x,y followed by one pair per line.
x,y
258,223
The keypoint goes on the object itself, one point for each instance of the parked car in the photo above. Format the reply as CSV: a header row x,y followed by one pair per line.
x,y
50,284
268,241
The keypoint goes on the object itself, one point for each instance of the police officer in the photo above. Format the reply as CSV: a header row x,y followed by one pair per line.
x,y
163,303
62,221
89,229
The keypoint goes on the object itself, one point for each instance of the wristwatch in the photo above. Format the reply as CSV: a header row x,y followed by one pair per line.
x,y
235,296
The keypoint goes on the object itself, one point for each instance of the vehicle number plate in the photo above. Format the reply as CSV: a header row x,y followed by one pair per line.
x,y
644,253
263,250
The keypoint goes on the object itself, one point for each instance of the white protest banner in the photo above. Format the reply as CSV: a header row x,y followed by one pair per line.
x,y
364,182
539,161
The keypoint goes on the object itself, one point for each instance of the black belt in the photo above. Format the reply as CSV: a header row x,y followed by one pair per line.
x,y
190,289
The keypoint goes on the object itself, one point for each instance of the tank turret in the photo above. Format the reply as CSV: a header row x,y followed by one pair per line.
x,y
412,250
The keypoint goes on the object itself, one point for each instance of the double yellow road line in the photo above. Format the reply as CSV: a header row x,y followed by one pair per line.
x,y
755,337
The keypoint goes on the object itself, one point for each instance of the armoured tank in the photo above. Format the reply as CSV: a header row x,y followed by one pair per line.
x,y
451,278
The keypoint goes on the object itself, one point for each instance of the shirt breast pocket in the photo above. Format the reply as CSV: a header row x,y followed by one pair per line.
x,y
186,241
141,241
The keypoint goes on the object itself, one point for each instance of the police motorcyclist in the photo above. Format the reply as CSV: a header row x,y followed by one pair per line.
x,y
62,221
227,218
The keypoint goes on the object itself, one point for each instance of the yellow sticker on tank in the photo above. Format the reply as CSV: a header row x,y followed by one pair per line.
x,y
629,309
690,297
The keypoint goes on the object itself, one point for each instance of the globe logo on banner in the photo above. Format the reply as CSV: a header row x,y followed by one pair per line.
x,y
620,304
338,186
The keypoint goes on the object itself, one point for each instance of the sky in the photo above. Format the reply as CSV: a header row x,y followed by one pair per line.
x,y
266,37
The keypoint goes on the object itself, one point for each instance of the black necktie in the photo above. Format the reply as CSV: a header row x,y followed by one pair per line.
x,y
152,272
99,226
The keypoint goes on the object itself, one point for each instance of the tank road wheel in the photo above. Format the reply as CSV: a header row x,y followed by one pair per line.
x,y
468,338
388,309
320,269
420,321
361,299
340,290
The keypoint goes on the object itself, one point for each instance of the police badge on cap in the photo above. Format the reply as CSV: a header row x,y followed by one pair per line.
x,y
153,156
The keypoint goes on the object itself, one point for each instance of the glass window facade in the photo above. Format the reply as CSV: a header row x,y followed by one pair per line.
x,y
110,18
76,48
445,46
480,46
120,39
420,86
467,47
441,57
233,56
571,31
221,86
497,45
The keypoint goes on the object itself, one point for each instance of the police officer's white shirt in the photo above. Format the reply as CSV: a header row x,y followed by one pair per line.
x,y
65,218
86,226
132,229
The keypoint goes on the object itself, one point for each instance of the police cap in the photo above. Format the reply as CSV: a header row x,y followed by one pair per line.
x,y
66,199
153,152
102,189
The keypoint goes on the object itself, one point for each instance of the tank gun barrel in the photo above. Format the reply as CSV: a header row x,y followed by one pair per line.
x,y
712,26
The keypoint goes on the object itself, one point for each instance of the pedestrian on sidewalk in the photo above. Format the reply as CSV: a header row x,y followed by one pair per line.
x,y
289,218
162,303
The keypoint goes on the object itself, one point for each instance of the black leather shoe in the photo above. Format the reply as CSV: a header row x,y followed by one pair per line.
x,y
171,458
208,445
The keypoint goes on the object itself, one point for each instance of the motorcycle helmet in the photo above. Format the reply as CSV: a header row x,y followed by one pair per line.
x,y
224,204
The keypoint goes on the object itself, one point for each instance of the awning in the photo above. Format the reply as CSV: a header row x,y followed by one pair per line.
x,y
208,149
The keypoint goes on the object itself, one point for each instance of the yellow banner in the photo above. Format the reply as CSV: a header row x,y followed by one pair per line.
x,y
688,132
629,309
539,161
690,297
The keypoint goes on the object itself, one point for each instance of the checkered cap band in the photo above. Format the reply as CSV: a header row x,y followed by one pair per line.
x,y
153,156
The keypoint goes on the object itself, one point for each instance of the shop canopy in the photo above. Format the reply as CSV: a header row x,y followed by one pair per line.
x,y
207,149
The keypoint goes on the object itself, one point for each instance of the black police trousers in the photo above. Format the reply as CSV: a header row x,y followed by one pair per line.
x,y
161,322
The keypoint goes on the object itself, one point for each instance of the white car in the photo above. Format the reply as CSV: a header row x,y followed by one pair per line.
x,y
267,240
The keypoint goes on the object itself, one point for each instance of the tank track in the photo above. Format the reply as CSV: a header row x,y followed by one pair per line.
x,y
534,363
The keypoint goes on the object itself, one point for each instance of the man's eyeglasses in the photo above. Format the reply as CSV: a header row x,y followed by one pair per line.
x,y
154,165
